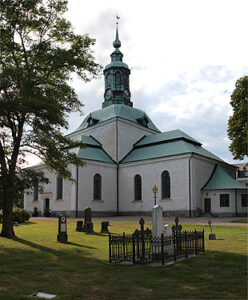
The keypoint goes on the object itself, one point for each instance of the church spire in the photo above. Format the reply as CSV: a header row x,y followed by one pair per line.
x,y
117,77
117,42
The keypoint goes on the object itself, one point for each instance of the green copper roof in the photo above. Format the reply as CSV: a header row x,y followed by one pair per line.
x,y
221,180
166,144
88,140
117,110
92,151
116,64
166,136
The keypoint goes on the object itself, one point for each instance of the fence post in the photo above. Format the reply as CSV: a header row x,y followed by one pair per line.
x,y
196,250
162,247
174,244
186,245
203,242
110,260
124,246
142,248
133,249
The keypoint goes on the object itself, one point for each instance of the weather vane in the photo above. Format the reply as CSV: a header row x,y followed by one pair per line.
x,y
117,17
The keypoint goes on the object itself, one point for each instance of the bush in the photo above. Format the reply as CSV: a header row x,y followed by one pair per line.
x,y
35,212
20,215
47,212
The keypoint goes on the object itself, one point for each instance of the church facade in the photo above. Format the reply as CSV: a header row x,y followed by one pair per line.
x,y
126,155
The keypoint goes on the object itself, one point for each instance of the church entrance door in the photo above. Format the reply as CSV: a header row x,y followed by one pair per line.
x,y
46,203
207,205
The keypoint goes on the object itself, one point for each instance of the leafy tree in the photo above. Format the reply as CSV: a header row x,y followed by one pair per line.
x,y
39,52
238,122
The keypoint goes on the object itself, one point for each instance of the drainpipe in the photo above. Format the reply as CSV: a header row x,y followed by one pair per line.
x,y
117,168
76,191
190,191
236,206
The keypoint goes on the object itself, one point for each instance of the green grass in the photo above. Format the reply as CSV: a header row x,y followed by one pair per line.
x,y
240,221
35,261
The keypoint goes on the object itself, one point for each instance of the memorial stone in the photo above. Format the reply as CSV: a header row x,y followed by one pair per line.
x,y
104,228
168,240
80,226
87,217
62,234
89,227
157,221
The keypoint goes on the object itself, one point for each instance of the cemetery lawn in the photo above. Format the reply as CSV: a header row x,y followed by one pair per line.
x,y
35,261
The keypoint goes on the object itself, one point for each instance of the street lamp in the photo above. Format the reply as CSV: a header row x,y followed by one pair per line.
x,y
155,190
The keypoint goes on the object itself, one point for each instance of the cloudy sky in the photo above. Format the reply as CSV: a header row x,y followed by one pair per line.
x,y
185,57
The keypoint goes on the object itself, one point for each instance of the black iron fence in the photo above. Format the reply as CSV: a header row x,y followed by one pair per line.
x,y
142,247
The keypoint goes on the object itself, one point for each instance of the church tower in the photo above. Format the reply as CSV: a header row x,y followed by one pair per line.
x,y
116,76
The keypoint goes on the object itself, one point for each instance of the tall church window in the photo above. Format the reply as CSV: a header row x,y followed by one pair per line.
x,y
137,187
118,80
59,187
35,193
165,183
97,187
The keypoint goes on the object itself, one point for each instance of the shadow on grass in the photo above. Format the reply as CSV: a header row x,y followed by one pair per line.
x,y
27,223
49,250
39,247
78,245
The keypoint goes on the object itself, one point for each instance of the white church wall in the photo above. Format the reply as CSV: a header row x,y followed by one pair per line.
x,y
50,192
230,210
242,210
104,133
108,173
128,134
202,169
150,172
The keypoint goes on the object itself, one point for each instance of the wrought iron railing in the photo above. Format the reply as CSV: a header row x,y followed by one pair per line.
x,y
141,247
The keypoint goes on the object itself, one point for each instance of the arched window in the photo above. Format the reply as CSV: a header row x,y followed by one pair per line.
x,y
97,187
59,187
137,187
118,80
36,193
165,183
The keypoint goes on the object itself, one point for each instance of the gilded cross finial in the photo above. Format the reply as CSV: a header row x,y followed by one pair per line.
x,y
117,42
117,18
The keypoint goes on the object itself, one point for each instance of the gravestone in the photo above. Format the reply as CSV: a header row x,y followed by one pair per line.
x,y
87,215
62,234
212,235
104,228
142,231
89,227
80,226
168,240
157,221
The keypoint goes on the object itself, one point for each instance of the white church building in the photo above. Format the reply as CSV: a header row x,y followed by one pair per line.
x,y
126,155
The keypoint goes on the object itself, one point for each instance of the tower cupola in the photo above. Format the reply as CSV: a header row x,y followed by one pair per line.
x,y
116,76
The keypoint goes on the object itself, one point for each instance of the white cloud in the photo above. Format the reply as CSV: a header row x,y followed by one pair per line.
x,y
185,57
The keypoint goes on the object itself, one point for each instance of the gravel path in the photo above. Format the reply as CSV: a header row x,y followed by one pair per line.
x,y
171,220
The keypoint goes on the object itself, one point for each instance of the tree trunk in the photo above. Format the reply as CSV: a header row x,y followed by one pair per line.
x,y
7,228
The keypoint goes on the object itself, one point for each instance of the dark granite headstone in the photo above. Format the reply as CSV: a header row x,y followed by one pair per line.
x,y
87,215
105,227
62,234
80,226
89,227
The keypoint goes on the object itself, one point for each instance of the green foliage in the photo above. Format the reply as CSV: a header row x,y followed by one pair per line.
x,y
35,212
238,122
47,212
39,52
20,215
